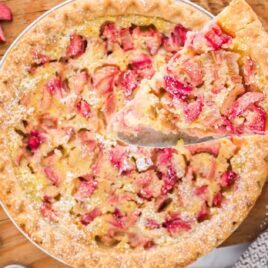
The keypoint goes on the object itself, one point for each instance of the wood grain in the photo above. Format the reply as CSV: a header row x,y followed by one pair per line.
x,y
14,247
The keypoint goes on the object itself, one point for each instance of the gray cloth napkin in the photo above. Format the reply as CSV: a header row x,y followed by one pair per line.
x,y
256,256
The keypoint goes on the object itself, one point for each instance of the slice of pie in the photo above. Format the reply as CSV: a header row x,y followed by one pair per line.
x,y
216,84
91,200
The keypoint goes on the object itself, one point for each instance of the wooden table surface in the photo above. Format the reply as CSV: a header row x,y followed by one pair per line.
x,y
14,248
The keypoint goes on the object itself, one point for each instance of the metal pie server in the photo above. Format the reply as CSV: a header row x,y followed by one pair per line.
x,y
152,138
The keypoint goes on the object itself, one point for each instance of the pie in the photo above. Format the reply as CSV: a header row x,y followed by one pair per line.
x,y
89,199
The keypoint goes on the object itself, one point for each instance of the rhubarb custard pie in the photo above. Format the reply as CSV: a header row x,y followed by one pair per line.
x,y
90,68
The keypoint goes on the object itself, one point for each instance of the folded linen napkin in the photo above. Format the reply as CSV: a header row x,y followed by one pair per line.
x,y
256,256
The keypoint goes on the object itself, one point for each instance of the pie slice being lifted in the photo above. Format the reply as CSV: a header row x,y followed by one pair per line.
x,y
215,85
93,201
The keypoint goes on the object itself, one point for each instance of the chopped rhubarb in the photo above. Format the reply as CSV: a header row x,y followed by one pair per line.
x,y
103,79
90,216
229,127
217,199
133,217
179,34
154,42
119,219
164,156
118,214
128,82
216,37
211,148
153,39
193,70
79,81
141,61
126,39
108,30
146,73
176,88
54,85
255,120
34,140
144,180
229,101
196,42
5,13
77,46
97,166
152,224
193,110
228,178
175,224
176,40
243,102
148,37
40,58
109,106
52,175
142,66
110,34
170,179
146,193
202,215
249,69
212,170
118,157
83,108
69,132
48,212
2,35
201,190
86,188
88,139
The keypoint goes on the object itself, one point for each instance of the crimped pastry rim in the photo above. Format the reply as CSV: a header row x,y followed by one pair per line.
x,y
44,15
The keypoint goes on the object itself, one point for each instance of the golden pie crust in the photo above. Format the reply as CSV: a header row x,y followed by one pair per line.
x,y
250,37
249,162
